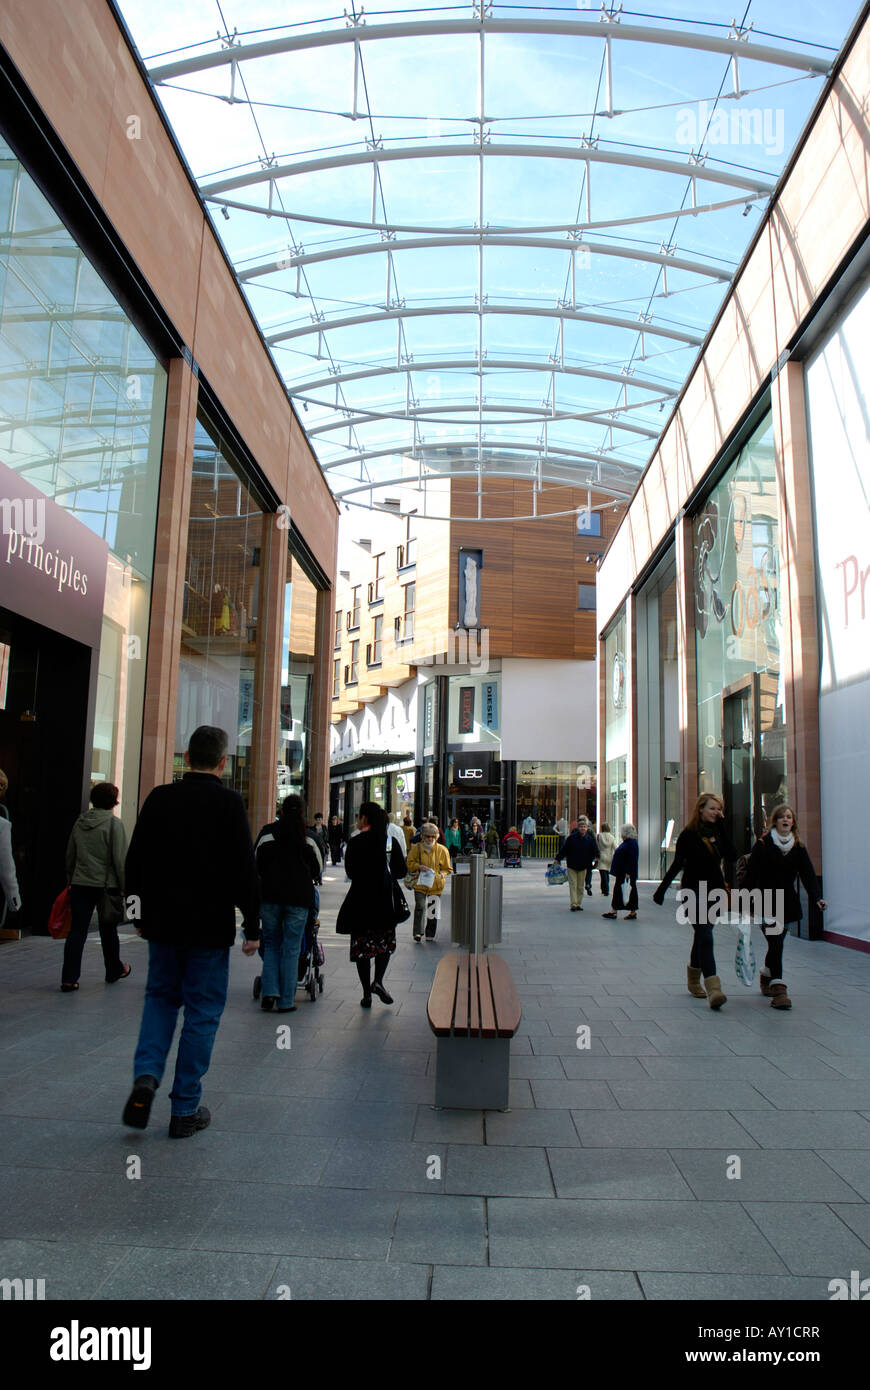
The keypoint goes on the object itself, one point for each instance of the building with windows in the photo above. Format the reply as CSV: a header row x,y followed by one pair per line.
x,y
168,539
464,660
733,603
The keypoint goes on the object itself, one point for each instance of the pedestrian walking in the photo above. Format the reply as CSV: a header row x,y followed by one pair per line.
x,y
777,861
95,855
476,839
367,915
408,830
336,838
623,867
453,841
190,865
319,831
289,867
702,849
580,852
10,894
530,835
606,841
428,868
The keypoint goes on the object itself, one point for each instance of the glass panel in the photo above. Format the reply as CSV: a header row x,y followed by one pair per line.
x,y
297,676
615,799
220,613
82,403
738,626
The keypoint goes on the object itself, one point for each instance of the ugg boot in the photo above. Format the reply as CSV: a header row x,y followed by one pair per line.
x,y
693,980
714,992
764,982
779,996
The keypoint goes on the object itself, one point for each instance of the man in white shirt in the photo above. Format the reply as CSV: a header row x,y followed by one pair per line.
x,y
530,831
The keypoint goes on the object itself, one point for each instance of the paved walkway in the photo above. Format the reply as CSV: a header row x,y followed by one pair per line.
x,y
610,1171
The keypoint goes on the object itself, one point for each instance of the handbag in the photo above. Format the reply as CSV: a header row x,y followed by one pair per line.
x,y
401,910
110,908
60,917
556,874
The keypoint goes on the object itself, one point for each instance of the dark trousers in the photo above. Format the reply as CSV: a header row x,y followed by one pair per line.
x,y
775,943
616,903
529,846
702,957
605,880
83,901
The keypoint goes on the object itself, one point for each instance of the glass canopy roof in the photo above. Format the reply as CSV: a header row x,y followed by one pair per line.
x,y
485,239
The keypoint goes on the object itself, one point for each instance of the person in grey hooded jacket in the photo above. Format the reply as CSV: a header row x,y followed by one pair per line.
x,y
95,858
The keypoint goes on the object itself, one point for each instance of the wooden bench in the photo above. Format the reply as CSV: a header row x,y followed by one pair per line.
x,y
473,1011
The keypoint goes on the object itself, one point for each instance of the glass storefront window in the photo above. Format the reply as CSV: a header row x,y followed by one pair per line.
x,y
82,404
615,798
658,770
740,693
473,710
549,791
219,630
297,676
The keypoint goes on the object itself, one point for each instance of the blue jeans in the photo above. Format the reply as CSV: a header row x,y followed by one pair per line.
x,y
283,929
197,977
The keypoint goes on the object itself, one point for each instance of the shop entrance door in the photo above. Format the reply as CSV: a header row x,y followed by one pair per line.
x,y
740,761
44,724
464,807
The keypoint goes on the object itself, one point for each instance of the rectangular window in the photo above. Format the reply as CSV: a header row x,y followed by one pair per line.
x,y
588,523
353,611
336,678
337,642
376,588
586,597
406,554
374,652
351,671
405,624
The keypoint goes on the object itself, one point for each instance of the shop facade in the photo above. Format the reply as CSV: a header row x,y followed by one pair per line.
x,y
154,576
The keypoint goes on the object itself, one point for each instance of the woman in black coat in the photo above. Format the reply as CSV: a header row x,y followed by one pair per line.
x,y
626,860
777,861
367,913
700,852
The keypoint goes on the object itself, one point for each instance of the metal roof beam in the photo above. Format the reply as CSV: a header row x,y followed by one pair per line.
x,y
679,335
756,185
525,446
556,479
671,37
593,248
424,414
472,365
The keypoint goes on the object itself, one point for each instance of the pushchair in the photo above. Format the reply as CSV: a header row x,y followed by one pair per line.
x,y
512,851
311,958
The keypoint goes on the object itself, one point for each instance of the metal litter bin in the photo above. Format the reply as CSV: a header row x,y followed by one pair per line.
x,y
475,905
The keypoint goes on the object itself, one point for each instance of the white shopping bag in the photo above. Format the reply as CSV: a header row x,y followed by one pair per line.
x,y
744,956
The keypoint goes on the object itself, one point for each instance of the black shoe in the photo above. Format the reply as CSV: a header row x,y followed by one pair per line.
x,y
185,1126
268,1002
382,993
138,1107
418,938
366,1001
290,1009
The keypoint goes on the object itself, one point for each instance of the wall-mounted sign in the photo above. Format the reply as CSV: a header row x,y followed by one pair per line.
x,y
466,709
471,771
52,568
489,699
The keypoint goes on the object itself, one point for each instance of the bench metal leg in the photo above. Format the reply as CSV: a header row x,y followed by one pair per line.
x,y
472,1073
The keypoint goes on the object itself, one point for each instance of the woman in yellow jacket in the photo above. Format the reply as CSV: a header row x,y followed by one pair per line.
x,y
428,867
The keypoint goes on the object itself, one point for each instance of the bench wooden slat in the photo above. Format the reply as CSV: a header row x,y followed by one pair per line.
x,y
478,970
508,1010
487,1008
442,996
460,1016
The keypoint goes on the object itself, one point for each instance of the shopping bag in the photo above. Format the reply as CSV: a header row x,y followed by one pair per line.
x,y
744,956
556,874
626,891
60,917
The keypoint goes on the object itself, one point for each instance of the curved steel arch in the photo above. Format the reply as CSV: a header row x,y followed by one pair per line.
x,y
487,365
442,310
669,215
556,479
410,450
424,414
593,248
732,46
756,186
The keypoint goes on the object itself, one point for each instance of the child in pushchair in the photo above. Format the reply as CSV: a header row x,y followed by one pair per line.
x,y
311,956
512,849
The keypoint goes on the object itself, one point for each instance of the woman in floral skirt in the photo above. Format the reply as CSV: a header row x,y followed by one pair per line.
x,y
367,914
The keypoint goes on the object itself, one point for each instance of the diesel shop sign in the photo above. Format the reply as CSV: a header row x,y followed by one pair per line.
x,y
52,568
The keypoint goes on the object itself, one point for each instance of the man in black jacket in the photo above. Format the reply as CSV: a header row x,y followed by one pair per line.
x,y
189,865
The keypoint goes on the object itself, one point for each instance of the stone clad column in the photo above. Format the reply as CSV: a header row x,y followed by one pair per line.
x,y
799,657
167,589
267,671
686,666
